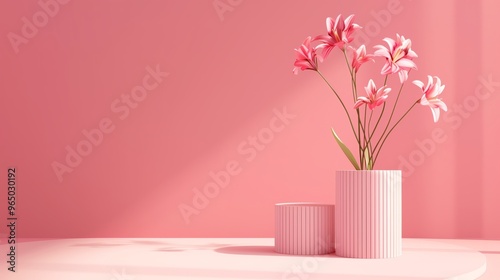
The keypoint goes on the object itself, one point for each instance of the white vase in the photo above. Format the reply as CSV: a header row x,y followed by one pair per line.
x,y
368,215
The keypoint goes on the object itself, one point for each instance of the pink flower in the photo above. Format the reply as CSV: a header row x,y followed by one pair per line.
x,y
375,96
305,57
359,57
399,57
339,34
430,98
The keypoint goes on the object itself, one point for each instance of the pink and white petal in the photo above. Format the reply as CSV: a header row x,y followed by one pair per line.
x,y
430,83
383,52
329,24
419,84
340,44
364,99
412,54
387,68
440,104
325,41
339,23
325,52
370,88
359,103
379,102
424,101
319,56
394,68
390,42
435,113
361,50
382,98
441,89
403,76
405,43
406,63
368,58
302,63
308,41
348,20
432,92
438,82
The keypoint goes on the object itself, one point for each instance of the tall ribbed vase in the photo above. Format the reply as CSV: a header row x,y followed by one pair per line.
x,y
368,215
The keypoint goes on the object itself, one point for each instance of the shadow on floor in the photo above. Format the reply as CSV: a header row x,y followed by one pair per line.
x,y
262,251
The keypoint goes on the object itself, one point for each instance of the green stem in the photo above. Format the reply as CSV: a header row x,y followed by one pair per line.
x,y
369,142
390,117
381,113
376,124
355,97
404,115
342,103
359,143
370,121
353,76
366,141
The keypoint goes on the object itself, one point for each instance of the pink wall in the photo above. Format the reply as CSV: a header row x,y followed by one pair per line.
x,y
229,80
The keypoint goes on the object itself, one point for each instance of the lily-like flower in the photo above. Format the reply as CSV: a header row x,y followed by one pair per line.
x,y
430,98
359,57
306,58
398,56
340,33
375,96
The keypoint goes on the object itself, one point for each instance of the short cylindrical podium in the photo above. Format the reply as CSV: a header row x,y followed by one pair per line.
x,y
304,228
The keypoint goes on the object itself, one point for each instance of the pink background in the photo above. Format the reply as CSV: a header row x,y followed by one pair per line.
x,y
228,73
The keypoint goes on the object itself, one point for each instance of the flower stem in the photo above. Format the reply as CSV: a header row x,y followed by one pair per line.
x,y
342,103
376,124
369,124
390,118
353,76
383,141
364,134
381,113
355,96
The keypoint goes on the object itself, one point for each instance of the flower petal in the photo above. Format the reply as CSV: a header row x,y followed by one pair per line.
x,y
435,113
419,84
403,76
390,42
339,23
329,24
382,51
406,63
360,102
370,88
